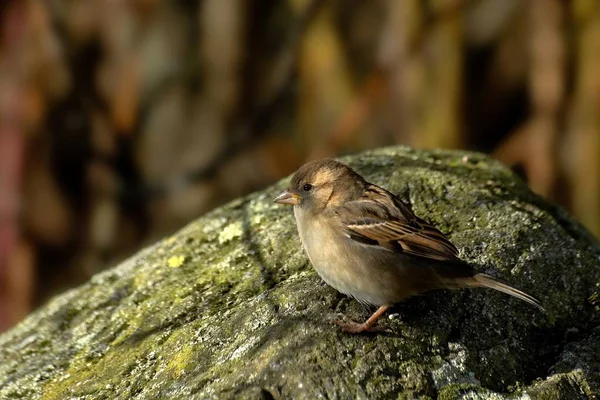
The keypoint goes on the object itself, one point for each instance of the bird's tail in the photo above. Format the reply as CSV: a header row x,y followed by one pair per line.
x,y
483,280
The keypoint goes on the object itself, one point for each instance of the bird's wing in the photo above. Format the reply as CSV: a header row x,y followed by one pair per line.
x,y
380,218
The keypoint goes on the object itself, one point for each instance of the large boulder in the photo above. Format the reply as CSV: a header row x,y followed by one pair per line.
x,y
230,307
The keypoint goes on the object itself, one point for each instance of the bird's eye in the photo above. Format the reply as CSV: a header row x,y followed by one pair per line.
x,y
307,187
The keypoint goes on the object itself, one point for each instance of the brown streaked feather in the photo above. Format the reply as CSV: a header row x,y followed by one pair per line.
x,y
388,222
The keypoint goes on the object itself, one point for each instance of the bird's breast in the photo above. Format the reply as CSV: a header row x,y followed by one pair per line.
x,y
369,274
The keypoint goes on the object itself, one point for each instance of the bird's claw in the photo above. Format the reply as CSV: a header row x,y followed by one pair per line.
x,y
350,326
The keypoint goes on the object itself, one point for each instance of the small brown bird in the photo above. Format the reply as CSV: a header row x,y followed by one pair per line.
x,y
365,242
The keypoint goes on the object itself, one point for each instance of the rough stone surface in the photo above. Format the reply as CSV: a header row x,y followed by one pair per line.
x,y
229,307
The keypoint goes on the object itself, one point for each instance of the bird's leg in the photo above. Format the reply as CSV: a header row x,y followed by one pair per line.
x,y
350,326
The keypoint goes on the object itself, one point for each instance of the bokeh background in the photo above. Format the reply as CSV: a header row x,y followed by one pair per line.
x,y
121,121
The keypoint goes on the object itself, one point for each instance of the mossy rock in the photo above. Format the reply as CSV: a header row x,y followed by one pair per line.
x,y
230,307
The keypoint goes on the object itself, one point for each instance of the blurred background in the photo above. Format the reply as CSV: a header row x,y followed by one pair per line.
x,y
121,121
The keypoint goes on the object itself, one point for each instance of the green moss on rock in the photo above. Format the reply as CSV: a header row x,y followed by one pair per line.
x,y
230,307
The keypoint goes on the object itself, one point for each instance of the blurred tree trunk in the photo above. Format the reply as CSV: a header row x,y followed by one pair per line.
x,y
582,158
326,88
533,146
424,64
16,257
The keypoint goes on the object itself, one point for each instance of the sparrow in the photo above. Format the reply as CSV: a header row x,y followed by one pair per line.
x,y
365,242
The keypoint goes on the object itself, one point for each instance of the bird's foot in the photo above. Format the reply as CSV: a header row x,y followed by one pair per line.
x,y
350,326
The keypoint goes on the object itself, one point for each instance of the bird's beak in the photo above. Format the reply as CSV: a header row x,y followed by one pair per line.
x,y
287,197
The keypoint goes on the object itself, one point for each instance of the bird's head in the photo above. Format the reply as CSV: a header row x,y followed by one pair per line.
x,y
322,183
